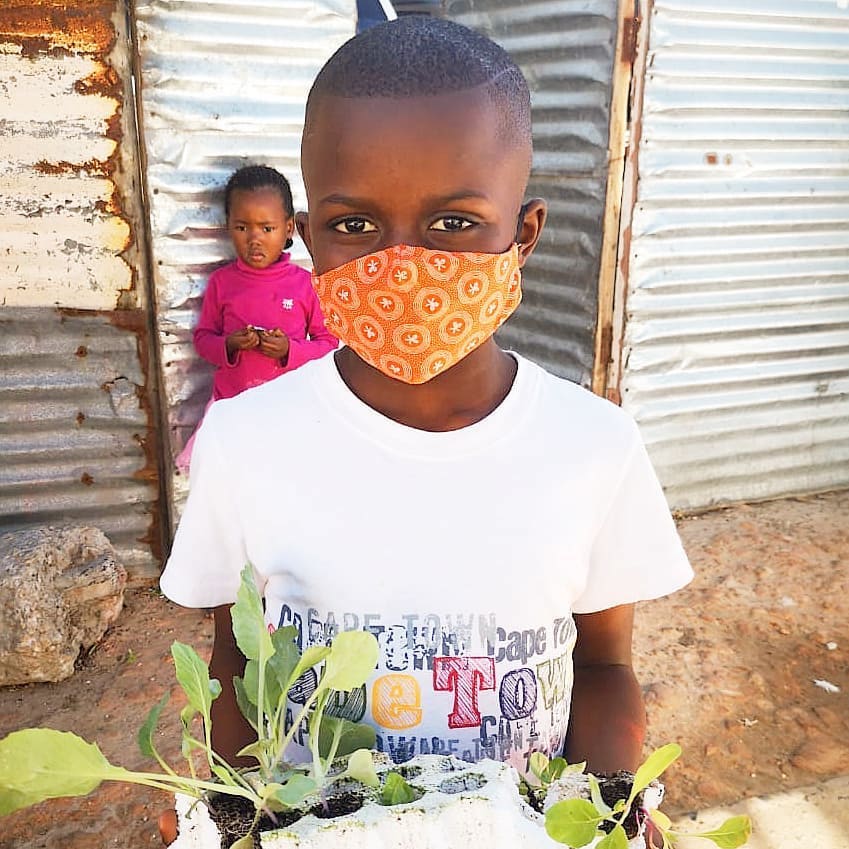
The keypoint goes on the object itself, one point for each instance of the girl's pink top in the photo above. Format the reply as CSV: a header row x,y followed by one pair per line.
x,y
279,296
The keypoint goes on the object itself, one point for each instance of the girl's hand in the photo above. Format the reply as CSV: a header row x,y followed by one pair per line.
x,y
274,344
242,340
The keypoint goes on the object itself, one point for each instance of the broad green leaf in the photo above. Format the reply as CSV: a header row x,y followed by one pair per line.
x,y
353,736
281,665
361,768
616,839
311,657
654,765
251,681
246,842
145,735
595,796
578,768
554,770
40,763
352,659
573,822
253,750
246,707
193,676
732,833
294,791
249,626
396,791
537,764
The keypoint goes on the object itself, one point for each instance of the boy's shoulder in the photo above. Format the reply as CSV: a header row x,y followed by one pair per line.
x,y
542,408
577,411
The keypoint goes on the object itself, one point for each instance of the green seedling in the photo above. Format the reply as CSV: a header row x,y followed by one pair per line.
x,y
41,763
396,791
547,770
577,822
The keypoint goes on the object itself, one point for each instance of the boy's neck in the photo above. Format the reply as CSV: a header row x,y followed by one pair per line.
x,y
461,396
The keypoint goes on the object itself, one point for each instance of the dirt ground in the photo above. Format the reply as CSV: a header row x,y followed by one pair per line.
x,y
729,667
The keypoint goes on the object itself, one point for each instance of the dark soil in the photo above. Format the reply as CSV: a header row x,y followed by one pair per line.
x,y
613,787
617,786
234,815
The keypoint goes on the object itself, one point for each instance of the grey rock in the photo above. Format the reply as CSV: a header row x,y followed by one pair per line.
x,y
60,589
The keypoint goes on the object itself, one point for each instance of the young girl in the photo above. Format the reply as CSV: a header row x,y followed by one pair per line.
x,y
260,315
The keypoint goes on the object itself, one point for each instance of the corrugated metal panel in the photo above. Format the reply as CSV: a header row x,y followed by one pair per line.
x,y
737,342
565,48
61,230
223,82
73,427
77,434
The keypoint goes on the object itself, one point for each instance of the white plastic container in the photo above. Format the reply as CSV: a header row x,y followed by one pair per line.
x,y
463,806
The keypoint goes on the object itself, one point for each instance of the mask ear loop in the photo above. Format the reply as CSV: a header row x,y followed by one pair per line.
x,y
518,239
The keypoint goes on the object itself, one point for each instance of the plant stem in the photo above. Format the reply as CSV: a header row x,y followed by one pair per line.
x,y
318,768
278,756
162,782
234,773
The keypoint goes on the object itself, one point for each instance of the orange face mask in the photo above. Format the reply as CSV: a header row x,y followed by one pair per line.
x,y
412,313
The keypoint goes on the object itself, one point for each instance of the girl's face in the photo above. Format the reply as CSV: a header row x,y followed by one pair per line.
x,y
258,225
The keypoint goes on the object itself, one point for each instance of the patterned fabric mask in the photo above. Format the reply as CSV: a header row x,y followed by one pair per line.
x,y
412,313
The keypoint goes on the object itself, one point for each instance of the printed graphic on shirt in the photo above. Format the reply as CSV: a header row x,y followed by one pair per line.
x,y
288,303
453,684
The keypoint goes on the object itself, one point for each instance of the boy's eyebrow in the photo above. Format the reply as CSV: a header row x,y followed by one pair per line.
x,y
460,194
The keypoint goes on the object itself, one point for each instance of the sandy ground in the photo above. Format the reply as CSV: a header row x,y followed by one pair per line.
x,y
729,667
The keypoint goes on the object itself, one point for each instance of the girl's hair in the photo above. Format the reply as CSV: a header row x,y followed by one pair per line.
x,y
253,177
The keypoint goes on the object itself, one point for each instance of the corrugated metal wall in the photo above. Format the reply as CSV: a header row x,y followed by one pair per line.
x,y
77,433
737,336
222,83
565,48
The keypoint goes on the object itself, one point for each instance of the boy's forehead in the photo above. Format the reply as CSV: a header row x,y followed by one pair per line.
x,y
455,131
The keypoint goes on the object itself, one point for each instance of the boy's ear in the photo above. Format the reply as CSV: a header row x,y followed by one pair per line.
x,y
302,222
531,221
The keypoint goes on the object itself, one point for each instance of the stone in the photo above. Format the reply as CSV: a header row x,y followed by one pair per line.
x,y
60,589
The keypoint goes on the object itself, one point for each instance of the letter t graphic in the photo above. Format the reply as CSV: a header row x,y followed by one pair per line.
x,y
466,677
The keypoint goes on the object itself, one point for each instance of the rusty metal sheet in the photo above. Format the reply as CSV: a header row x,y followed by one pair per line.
x,y
62,232
78,431
736,359
566,51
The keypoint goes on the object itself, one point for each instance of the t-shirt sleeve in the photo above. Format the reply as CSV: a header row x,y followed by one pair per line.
x,y
637,553
208,555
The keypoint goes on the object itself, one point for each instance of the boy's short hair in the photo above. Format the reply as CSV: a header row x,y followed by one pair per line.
x,y
419,56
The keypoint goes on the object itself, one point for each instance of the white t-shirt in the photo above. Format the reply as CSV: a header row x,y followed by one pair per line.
x,y
465,553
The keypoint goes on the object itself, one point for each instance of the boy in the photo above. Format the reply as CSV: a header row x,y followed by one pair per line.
x,y
490,524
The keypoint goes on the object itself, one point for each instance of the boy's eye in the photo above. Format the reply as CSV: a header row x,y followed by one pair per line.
x,y
451,223
240,228
354,225
268,229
